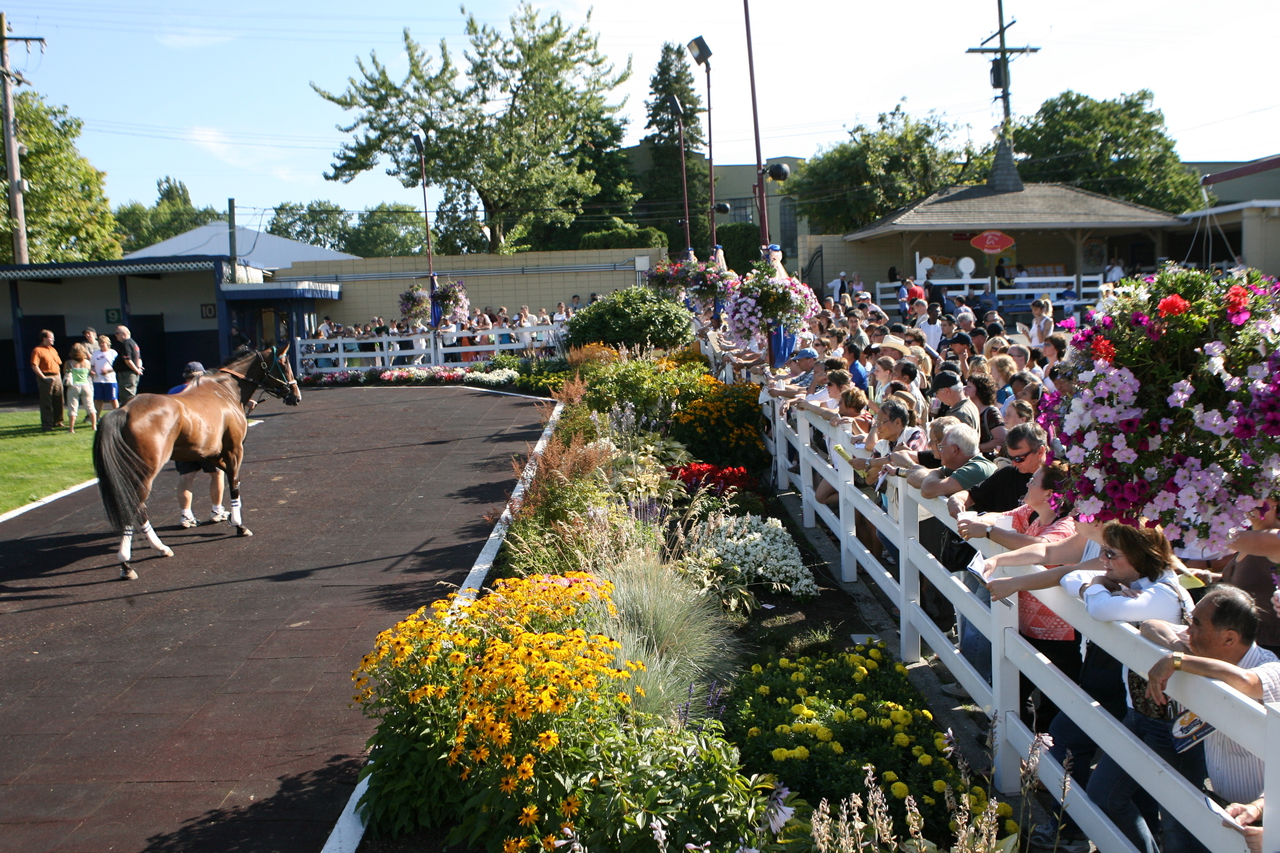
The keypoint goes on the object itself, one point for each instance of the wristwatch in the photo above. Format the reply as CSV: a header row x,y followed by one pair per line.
x,y
1177,661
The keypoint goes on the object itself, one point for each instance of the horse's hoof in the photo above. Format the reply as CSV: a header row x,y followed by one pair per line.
x,y
166,552
127,573
243,531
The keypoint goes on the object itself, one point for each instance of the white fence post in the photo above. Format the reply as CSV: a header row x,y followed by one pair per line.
x,y
908,573
1005,684
805,430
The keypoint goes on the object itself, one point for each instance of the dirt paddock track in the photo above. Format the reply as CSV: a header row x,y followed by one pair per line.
x,y
206,706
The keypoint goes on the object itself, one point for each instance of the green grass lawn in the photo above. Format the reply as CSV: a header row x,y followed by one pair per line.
x,y
35,464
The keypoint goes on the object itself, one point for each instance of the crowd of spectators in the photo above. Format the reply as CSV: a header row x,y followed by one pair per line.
x,y
947,404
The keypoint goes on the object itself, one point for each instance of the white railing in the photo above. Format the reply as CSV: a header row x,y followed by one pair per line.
x,y
1254,726
1025,290
332,355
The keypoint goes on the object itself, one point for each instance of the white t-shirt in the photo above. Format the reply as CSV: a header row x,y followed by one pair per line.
x,y
932,333
103,366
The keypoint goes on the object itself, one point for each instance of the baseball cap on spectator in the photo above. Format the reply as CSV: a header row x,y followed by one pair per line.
x,y
807,352
995,330
945,379
960,338
192,368
862,294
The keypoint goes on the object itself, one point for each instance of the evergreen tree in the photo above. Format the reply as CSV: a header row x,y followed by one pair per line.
x,y
66,209
173,213
662,204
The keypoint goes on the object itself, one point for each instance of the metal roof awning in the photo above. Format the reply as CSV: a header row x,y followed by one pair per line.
x,y
282,290
84,269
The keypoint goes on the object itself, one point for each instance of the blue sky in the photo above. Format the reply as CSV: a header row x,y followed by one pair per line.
x,y
218,95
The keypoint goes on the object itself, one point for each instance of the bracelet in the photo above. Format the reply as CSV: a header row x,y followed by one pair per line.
x,y
1177,661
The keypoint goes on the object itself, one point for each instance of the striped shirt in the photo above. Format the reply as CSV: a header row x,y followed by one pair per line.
x,y
1236,772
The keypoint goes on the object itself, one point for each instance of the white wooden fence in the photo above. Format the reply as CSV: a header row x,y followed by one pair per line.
x,y
332,355
1252,725
1027,289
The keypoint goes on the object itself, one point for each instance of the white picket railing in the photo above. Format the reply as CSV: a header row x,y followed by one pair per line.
x,y
332,355
1026,289
1252,725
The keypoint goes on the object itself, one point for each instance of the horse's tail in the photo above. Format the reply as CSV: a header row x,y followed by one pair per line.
x,y
121,472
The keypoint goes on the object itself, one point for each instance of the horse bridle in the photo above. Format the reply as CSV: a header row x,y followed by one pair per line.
x,y
284,389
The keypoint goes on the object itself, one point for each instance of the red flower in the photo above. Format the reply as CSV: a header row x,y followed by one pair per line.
x,y
1172,306
1103,350
1237,298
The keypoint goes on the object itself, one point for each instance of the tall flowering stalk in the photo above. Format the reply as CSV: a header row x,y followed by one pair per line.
x,y
762,300
1175,416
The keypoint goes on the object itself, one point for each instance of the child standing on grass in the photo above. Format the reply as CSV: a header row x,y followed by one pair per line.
x,y
78,387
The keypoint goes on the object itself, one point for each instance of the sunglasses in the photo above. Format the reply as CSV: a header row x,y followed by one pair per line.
x,y
1018,460
1109,555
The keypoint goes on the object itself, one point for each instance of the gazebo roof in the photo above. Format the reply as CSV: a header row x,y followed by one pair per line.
x,y
1006,202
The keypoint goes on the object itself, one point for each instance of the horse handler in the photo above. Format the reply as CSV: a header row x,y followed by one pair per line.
x,y
187,470
47,366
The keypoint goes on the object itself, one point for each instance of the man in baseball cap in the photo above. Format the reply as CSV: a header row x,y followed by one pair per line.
x,y
948,387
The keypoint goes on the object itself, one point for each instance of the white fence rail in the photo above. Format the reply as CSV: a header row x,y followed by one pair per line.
x,y
1027,289
1254,726
332,355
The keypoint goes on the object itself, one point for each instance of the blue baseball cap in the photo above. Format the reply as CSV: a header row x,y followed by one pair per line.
x,y
807,352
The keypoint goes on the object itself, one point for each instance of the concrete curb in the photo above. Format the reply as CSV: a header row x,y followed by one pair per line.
x,y
348,832
14,513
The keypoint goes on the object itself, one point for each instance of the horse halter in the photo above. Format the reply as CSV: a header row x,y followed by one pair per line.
x,y
283,388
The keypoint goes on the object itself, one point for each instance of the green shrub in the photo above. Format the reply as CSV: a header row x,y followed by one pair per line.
x,y
624,235
741,241
634,317
650,388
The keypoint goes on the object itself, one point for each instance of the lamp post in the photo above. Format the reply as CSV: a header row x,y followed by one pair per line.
x,y
426,211
755,118
702,55
673,103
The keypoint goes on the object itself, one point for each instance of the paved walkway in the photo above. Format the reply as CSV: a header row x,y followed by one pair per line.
x,y
205,706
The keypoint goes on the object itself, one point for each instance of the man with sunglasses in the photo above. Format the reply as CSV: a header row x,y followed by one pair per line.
x,y
1028,448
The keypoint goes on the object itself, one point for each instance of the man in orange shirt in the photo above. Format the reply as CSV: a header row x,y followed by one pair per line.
x,y
47,365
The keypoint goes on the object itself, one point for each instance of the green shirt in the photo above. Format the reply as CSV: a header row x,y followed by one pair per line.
x,y
972,472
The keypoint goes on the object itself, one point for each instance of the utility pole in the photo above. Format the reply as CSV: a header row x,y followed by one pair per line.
x,y
11,148
1000,65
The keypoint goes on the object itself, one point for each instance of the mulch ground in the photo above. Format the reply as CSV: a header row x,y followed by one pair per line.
x,y
206,706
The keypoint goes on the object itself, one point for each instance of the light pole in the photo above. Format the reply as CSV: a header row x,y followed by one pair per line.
x,y
702,55
755,118
426,211
673,103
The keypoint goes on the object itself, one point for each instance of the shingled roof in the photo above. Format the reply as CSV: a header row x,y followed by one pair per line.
x,y
1005,202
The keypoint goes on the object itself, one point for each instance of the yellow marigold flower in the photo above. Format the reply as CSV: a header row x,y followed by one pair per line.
x,y
783,663
874,654
763,690
859,714
781,754
886,723
929,801
755,667
798,675
900,668
570,805
1004,810
979,790
859,675
839,716
782,729
798,710
901,739
508,784
925,760
858,697
801,752
547,741
754,731
872,665
529,815
1011,827
899,790
837,747
801,692
939,785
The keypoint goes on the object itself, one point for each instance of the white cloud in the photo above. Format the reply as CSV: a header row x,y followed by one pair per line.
x,y
182,38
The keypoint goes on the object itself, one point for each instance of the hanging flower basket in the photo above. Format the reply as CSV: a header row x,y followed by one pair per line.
x,y
764,300
703,282
1175,417
455,307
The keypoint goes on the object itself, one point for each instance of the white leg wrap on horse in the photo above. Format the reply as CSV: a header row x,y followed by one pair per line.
x,y
155,540
235,513
126,546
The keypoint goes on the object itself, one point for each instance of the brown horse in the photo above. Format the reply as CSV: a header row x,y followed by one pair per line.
x,y
204,423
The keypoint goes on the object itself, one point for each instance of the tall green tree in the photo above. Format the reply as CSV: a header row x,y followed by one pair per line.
x,y
662,205
388,230
320,223
901,160
139,226
66,209
1118,148
503,131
